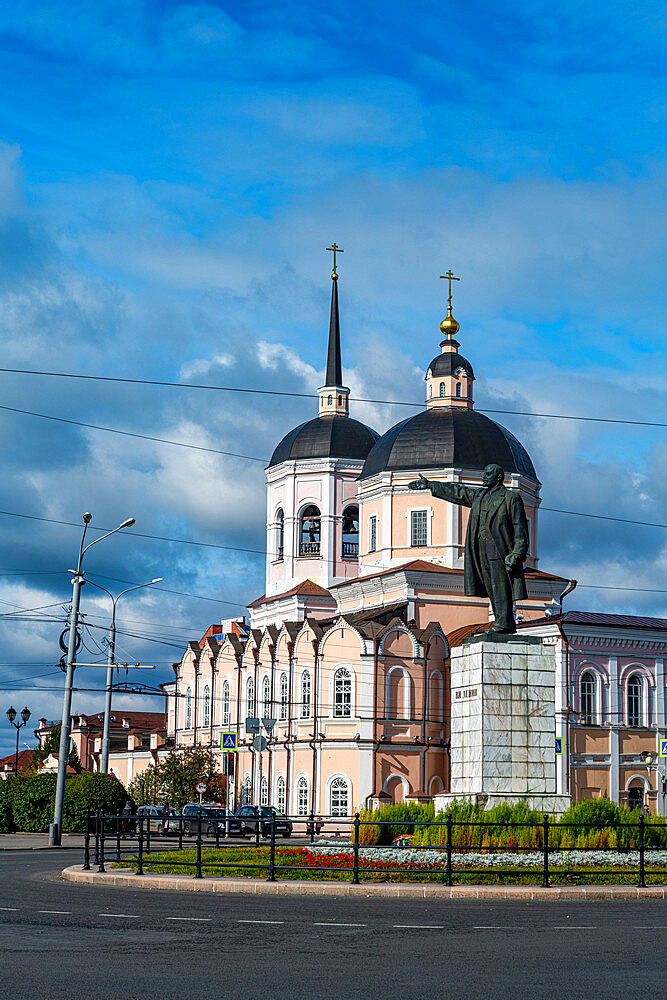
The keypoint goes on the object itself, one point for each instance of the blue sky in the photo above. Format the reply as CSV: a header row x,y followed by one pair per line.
x,y
169,176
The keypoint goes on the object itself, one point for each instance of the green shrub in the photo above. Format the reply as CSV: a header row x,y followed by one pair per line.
x,y
32,804
7,788
92,791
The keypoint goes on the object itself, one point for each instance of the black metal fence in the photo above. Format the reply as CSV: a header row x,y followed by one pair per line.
x,y
108,837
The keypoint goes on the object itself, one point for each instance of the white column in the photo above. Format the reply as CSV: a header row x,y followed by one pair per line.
x,y
327,529
613,702
562,762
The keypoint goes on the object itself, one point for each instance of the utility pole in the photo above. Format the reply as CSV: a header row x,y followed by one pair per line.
x,y
56,827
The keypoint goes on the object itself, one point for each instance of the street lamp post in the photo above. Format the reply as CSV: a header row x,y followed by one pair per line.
x,y
111,657
55,829
11,715
652,760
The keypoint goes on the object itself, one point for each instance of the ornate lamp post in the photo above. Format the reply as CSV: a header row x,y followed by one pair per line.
x,y
11,715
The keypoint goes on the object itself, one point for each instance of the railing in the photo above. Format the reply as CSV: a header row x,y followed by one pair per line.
x,y
124,832
350,549
309,549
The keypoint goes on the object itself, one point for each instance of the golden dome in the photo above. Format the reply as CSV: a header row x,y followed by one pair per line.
x,y
449,326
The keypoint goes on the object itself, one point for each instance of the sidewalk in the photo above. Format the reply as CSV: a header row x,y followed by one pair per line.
x,y
37,842
520,893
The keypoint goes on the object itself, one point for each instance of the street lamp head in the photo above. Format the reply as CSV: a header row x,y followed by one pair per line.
x,y
11,713
87,518
158,579
647,757
128,523
25,715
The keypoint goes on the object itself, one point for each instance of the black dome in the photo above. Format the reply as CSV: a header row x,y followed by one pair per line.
x,y
326,437
447,364
448,437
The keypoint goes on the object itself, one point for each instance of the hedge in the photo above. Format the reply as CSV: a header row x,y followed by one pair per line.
x,y
28,804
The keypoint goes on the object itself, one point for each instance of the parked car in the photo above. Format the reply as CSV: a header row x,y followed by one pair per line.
x,y
212,814
154,819
252,817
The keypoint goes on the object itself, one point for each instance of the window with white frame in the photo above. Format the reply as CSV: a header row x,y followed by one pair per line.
x,y
342,692
635,701
225,703
587,713
250,697
265,791
305,694
372,533
188,708
339,796
206,707
280,794
443,390
280,533
246,791
283,696
458,389
418,528
266,698
302,796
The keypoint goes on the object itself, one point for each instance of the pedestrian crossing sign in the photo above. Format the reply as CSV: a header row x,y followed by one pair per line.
x,y
663,748
559,744
228,742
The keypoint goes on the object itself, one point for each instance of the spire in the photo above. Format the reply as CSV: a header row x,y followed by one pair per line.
x,y
333,397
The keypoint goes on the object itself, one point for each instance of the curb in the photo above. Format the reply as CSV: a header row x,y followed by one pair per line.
x,y
259,887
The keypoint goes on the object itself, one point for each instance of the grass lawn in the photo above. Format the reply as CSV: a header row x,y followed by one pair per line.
x,y
301,863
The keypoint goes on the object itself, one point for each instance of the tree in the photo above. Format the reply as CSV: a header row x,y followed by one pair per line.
x,y
51,745
174,778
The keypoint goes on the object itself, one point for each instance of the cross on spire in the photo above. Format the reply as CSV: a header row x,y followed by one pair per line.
x,y
448,276
336,249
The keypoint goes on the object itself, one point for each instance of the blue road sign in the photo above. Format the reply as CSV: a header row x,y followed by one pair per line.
x,y
228,742
559,745
663,748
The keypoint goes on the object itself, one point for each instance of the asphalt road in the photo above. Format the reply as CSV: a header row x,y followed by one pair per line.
x,y
61,940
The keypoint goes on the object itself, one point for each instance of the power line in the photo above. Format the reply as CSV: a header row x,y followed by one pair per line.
x,y
299,395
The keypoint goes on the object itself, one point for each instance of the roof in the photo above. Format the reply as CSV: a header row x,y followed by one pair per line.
x,y
334,374
456,637
446,437
596,618
326,437
25,760
425,566
136,720
307,588
447,364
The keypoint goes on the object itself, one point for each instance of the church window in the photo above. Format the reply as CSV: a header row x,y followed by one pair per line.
x,y
340,400
280,532
280,794
302,796
206,713
372,533
458,389
339,797
418,528
310,531
246,794
250,697
351,532
635,707
330,401
265,791
430,392
225,703
283,696
587,712
443,389
188,708
266,698
342,693
305,694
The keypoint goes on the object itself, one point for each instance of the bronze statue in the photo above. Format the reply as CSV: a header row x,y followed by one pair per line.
x,y
496,542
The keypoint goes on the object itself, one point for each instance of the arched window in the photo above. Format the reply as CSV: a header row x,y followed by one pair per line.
x,y
283,696
309,531
305,694
339,797
340,400
188,708
302,796
206,707
635,706
635,797
587,714
443,389
436,690
398,695
330,401
342,692
280,794
351,532
458,389
265,791
246,794
430,391
266,698
250,697
225,703
280,532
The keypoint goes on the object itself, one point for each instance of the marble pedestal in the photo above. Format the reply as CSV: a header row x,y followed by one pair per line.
x,y
503,731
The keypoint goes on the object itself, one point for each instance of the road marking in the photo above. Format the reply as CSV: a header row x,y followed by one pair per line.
x,y
574,927
329,923
650,927
488,927
199,919
54,911
419,927
260,921
129,916
8,908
